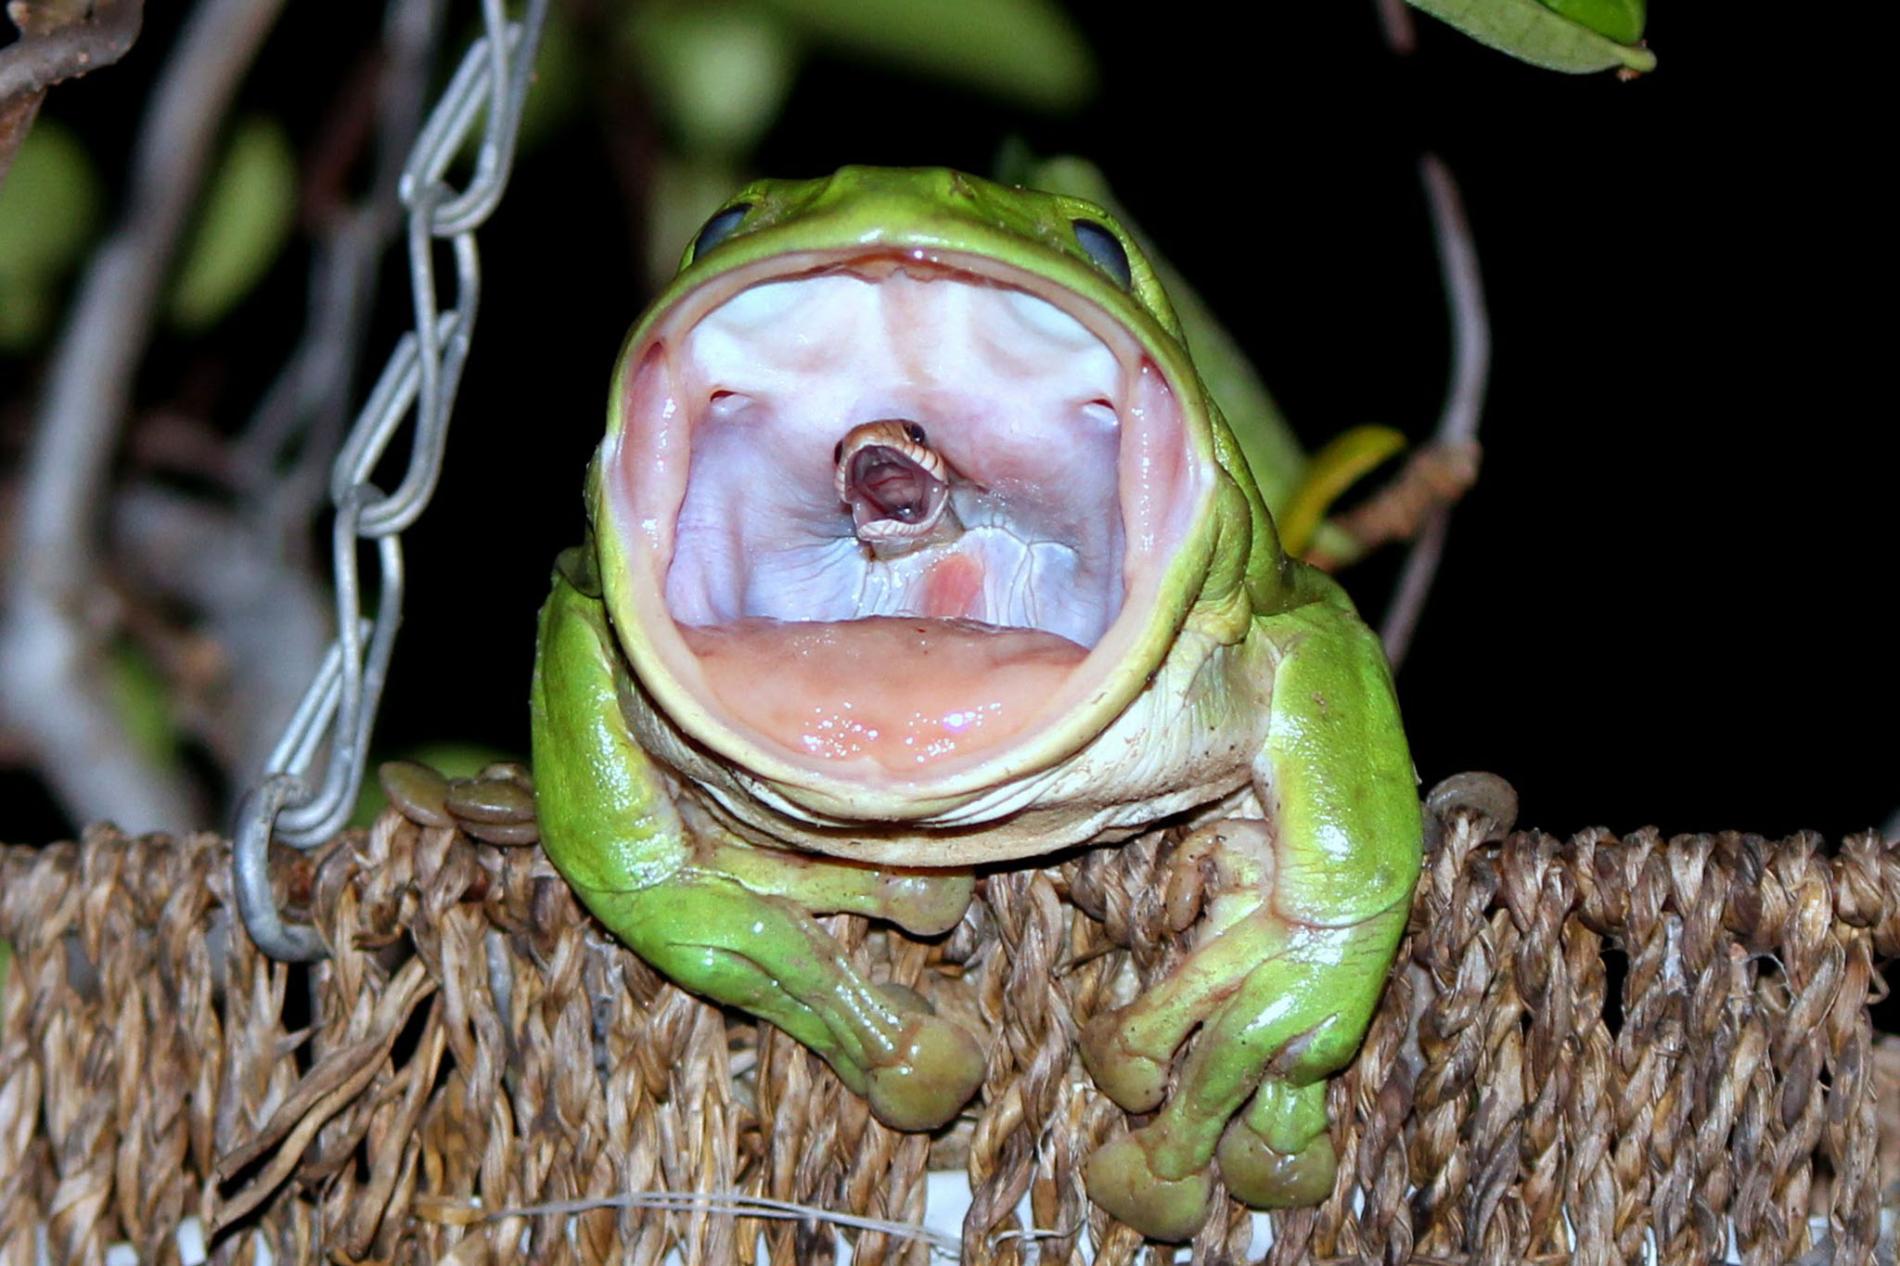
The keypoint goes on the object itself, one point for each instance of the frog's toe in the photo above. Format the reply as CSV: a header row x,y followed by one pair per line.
x,y
1121,1178
1135,1081
939,1065
926,904
1256,1174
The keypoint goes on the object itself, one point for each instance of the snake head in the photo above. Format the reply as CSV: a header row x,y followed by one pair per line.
x,y
896,486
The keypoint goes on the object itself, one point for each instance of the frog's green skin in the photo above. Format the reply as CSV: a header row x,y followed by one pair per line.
x,y
1248,700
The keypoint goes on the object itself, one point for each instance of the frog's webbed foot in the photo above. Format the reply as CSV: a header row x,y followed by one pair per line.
x,y
1279,1004
721,918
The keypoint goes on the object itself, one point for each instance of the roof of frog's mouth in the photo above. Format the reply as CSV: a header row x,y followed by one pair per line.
x,y
774,627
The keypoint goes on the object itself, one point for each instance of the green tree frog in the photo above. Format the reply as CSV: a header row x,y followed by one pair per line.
x,y
917,545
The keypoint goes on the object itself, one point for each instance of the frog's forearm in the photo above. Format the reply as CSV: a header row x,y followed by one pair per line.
x,y
606,819
1335,774
723,940
923,903
719,918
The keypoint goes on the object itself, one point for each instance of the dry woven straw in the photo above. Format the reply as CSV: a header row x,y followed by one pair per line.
x,y
1643,1036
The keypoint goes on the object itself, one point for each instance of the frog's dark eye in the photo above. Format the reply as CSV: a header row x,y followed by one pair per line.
x,y
1102,246
915,432
719,228
837,452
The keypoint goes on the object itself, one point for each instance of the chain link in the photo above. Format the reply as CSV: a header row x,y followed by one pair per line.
x,y
338,710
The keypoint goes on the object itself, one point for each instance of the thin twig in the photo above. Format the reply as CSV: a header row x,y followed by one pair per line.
x,y
1464,402
1395,19
50,641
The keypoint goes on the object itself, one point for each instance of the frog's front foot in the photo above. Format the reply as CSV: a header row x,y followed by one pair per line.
x,y
1136,1081
936,1067
1137,1179
1279,1003
1123,1176
1259,1174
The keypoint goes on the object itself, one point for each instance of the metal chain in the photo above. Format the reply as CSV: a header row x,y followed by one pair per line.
x,y
421,377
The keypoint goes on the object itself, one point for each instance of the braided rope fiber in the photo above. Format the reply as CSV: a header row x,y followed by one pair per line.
x,y
1592,1049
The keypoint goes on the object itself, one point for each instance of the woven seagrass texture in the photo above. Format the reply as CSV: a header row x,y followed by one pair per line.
x,y
1643,1036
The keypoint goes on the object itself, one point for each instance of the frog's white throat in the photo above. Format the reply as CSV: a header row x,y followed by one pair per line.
x,y
767,631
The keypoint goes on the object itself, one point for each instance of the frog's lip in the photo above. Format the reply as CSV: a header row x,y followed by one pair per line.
x,y
1161,470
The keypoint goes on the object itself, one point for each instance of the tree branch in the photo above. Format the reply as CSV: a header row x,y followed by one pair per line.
x,y
1464,402
52,636
46,54
57,42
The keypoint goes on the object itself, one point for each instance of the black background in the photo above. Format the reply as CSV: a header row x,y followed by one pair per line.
x,y
1667,599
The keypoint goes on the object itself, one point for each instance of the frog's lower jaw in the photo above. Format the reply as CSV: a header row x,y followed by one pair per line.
x,y
1184,746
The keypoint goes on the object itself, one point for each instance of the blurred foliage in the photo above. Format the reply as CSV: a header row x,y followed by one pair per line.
x,y
1024,52
49,213
142,697
1574,36
245,221
717,75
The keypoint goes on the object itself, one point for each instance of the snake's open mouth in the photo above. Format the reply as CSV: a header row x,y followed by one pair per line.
x,y
892,486
805,609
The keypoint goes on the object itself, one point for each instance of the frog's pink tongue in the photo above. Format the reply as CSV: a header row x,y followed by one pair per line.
x,y
903,692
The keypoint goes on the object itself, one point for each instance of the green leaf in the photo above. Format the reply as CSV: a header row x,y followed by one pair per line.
x,y
243,223
1346,459
1025,51
1620,20
49,211
717,74
26,312
1532,32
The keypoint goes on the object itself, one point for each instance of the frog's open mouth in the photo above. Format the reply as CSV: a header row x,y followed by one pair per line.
x,y
1069,483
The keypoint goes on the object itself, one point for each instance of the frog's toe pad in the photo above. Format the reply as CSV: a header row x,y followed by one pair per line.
x,y
939,1066
1259,1176
1122,1181
1135,1082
